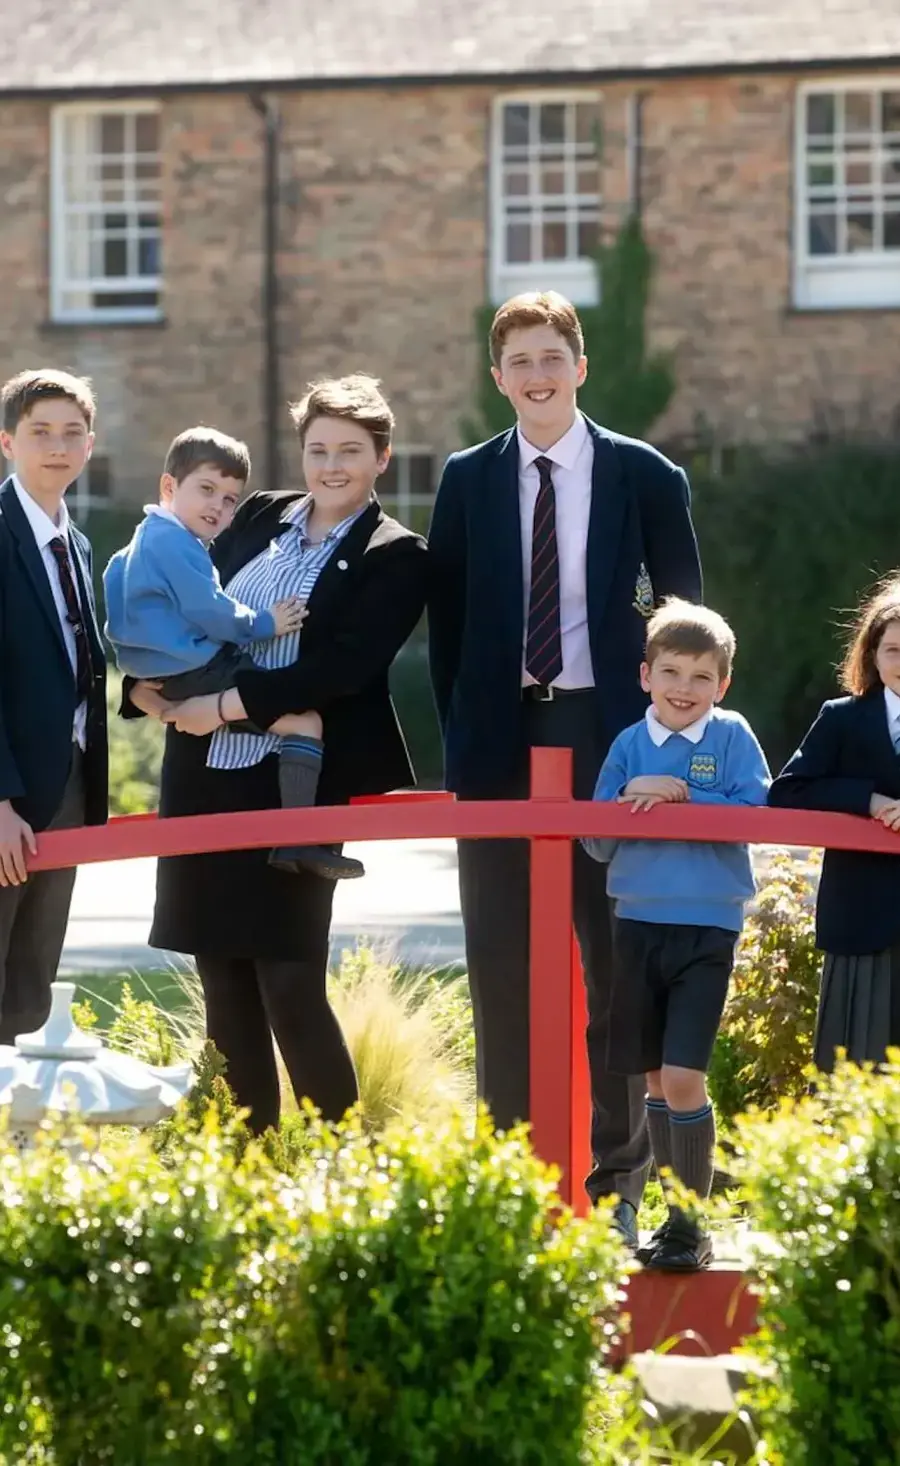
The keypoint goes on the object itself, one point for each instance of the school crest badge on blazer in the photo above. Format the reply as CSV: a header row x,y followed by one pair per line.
x,y
643,592
703,769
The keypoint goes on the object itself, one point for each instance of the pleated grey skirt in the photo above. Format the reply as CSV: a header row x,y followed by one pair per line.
x,y
859,1007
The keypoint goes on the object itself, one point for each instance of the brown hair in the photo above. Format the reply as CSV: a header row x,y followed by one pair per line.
x,y
680,626
537,308
858,671
22,393
198,446
357,398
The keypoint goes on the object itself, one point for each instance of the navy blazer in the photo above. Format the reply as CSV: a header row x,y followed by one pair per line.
x,y
639,526
37,684
845,758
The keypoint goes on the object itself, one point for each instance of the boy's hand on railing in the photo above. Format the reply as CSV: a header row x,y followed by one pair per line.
x,y
885,810
16,835
289,615
647,790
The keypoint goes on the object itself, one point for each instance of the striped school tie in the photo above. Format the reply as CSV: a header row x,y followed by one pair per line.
x,y
543,644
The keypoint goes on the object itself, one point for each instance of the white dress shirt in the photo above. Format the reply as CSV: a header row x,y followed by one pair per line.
x,y
573,464
892,703
44,530
660,734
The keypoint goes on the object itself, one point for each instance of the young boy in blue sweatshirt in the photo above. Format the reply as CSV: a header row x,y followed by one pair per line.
x,y
679,906
170,621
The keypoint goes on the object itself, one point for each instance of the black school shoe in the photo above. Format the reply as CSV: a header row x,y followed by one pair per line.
x,y
320,860
625,1223
644,1254
683,1247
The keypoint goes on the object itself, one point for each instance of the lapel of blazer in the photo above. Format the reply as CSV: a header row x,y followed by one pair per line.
x,y
30,556
503,533
237,547
609,497
873,716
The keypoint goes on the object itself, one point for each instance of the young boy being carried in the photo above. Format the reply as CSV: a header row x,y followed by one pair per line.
x,y
679,906
170,621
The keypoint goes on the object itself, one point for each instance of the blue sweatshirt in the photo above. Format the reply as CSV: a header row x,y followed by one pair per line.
x,y
165,607
685,882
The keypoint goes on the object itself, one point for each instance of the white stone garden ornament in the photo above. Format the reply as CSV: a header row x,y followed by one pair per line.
x,y
62,1070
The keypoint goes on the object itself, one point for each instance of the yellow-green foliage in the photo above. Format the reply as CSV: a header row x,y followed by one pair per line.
x,y
822,1176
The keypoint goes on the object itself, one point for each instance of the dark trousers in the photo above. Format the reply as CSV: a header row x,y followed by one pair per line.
x,y
247,1001
494,895
33,921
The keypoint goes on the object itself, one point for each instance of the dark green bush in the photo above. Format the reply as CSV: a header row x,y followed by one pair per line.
x,y
411,1300
765,1041
823,1179
789,543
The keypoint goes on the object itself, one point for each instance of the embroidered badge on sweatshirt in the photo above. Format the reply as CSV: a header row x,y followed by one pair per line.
x,y
703,768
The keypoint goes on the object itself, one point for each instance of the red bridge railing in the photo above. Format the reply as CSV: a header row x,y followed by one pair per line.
x,y
550,819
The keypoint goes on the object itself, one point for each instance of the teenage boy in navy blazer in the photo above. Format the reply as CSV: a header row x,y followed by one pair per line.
x,y
551,545
53,751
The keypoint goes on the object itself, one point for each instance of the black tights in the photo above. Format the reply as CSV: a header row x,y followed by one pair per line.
x,y
247,1001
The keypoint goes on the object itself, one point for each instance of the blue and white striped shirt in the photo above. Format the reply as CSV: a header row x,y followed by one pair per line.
x,y
290,566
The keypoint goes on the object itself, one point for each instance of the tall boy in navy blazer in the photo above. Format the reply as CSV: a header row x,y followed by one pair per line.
x,y
550,547
53,751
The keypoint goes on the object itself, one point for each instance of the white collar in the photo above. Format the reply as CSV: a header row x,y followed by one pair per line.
x,y
161,511
564,452
693,732
42,526
892,703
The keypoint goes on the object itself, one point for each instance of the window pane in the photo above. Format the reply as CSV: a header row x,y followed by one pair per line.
x,y
858,111
518,243
587,123
554,239
146,132
587,179
858,170
553,122
148,255
125,299
588,238
860,231
114,258
823,234
515,124
516,183
421,474
820,174
112,132
553,181
820,115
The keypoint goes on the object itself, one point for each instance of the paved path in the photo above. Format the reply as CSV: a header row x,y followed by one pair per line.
x,y
408,902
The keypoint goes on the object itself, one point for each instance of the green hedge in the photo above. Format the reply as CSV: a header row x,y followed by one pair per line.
x,y
823,1180
789,543
411,1299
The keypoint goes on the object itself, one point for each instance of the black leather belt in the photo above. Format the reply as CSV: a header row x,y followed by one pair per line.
x,y
536,693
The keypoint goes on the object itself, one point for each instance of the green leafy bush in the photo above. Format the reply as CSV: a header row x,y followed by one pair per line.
x,y
765,1042
417,1299
823,1178
135,756
789,542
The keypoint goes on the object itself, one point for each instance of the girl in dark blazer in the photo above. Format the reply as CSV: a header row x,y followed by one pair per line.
x,y
849,762
259,935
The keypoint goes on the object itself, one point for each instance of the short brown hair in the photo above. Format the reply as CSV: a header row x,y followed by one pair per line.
x,y
22,392
680,626
198,446
537,308
357,398
859,673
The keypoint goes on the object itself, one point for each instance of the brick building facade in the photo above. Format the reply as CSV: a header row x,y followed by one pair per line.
x,y
132,238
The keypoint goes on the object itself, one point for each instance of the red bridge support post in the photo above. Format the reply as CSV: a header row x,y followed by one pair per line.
x,y
560,1086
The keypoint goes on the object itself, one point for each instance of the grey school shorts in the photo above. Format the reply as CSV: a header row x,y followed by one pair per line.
x,y
669,988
